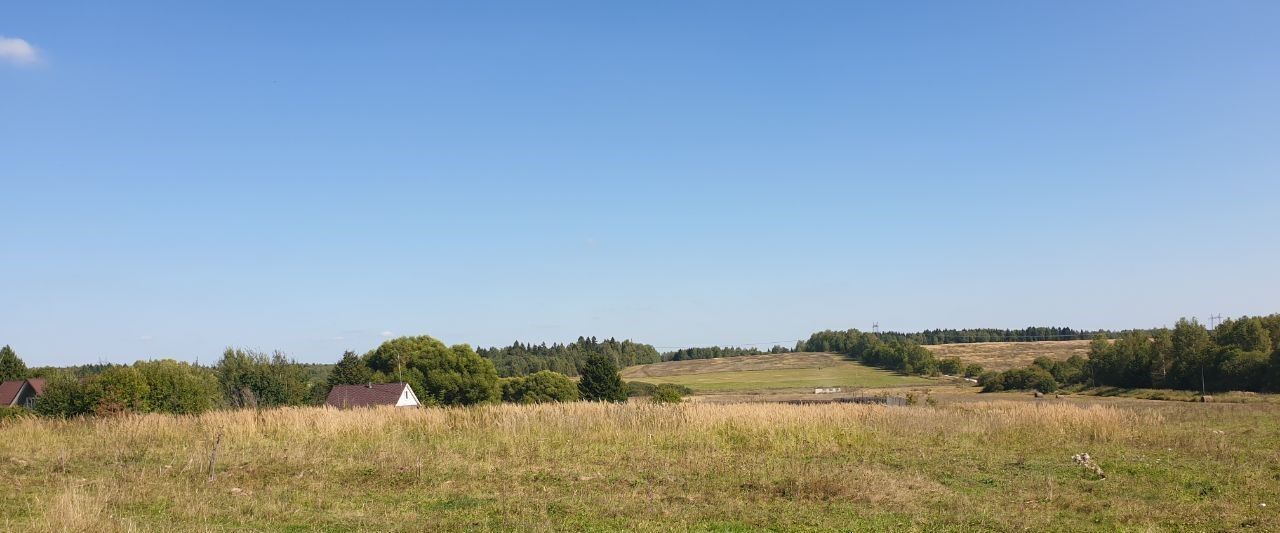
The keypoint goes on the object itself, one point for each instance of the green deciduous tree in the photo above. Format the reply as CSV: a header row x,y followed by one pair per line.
x,y
64,396
179,387
539,387
253,379
600,381
118,390
438,374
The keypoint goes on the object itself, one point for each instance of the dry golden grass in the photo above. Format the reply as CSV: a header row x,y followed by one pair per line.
x,y
1007,355
746,363
982,465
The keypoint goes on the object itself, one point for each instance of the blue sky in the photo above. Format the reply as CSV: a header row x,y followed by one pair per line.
x,y
313,177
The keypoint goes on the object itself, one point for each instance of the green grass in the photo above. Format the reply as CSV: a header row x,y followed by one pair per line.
x,y
998,466
846,374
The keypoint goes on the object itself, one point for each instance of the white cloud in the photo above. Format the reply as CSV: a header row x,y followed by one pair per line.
x,y
145,338
18,51
339,338
386,334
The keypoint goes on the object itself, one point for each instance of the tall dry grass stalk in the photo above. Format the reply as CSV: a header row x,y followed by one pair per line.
x,y
638,466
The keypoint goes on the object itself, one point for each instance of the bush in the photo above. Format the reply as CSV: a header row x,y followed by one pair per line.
x,y
668,393
951,366
973,370
7,413
178,388
1031,378
254,379
64,396
543,386
639,388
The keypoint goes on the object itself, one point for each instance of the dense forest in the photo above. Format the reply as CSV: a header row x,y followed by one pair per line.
x,y
520,358
877,349
1239,354
713,352
959,336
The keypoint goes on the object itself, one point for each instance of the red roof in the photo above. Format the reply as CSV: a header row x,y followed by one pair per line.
x,y
365,395
9,391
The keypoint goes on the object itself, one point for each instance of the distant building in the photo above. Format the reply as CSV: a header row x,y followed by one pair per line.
x,y
372,395
21,392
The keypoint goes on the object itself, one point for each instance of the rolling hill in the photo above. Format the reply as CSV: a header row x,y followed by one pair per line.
x,y
771,371
1007,355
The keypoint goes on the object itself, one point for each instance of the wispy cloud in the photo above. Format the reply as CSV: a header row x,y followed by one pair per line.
x,y
18,51
386,334
145,338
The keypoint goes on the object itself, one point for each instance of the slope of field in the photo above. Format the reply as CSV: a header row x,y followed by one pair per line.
x,y
772,371
981,466
1007,355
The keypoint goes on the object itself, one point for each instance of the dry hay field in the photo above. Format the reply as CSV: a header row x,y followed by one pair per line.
x,y
986,466
801,370
1008,355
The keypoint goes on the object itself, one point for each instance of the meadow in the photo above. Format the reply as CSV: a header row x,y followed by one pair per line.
x,y
991,465
1008,355
772,371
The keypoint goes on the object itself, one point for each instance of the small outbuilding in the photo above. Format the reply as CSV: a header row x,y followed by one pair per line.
x,y
21,392
372,395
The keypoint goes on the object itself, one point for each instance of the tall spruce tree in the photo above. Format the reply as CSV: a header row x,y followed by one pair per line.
x,y
11,367
600,381
351,370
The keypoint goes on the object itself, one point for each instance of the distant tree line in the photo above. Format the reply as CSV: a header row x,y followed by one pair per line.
x,y
1240,354
520,359
876,349
971,335
713,352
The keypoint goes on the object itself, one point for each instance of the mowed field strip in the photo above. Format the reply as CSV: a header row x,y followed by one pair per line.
x,y
1008,355
773,371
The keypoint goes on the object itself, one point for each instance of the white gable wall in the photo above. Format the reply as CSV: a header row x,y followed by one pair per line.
x,y
407,398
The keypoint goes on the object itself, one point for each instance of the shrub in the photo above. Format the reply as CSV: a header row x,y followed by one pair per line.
x,y
7,412
668,393
639,388
973,370
177,387
64,396
1031,378
540,387
951,366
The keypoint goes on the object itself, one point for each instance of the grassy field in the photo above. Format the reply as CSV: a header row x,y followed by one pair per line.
x,y
996,466
774,371
1007,355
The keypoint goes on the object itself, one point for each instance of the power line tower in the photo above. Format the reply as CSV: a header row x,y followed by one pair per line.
x,y
875,327
1214,320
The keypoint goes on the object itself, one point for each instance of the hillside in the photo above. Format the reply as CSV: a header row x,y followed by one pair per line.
x,y
772,371
1007,355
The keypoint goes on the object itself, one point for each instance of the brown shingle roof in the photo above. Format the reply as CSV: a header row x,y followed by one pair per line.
x,y
365,395
37,384
9,391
